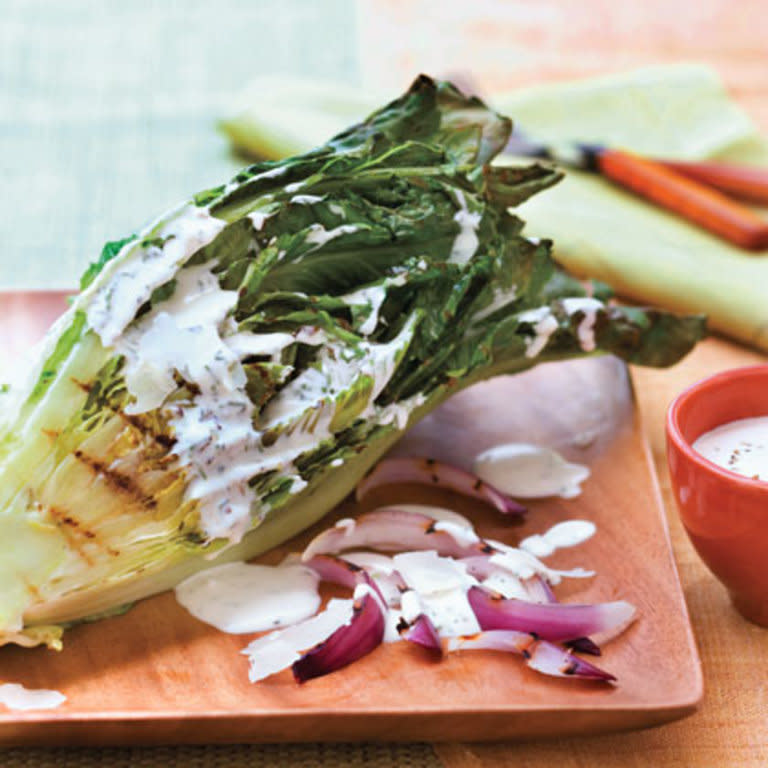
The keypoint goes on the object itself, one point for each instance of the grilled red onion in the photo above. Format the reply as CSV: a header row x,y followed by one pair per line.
x,y
422,632
349,642
342,572
550,621
541,655
437,473
553,660
540,592
383,572
390,529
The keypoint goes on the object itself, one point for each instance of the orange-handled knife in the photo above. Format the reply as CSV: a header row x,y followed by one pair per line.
x,y
700,203
694,191
741,181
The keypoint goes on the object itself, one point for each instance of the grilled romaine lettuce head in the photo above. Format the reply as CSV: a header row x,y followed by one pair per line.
x,y
228,374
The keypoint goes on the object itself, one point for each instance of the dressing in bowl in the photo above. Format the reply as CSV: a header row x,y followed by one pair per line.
x,y
725,513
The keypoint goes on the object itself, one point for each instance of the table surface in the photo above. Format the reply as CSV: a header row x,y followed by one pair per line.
x,y
107,114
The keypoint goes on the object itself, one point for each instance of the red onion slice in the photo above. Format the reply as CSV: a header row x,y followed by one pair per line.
x,y
390,529
336,570
553,660
421,632
550,621
479,566
540,592
349,642
541,655
522,583
339,571
525,565
383,572
437,473
537,589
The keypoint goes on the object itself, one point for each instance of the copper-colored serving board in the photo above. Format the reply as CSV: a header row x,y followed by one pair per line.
x,y
156,675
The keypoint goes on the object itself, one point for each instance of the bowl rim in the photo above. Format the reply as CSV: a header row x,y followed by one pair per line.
x,y
675,434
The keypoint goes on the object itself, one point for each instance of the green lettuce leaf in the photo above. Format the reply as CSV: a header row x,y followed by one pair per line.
x,y
226,376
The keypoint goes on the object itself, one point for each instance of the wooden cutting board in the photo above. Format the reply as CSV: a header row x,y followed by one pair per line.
x,y
156,675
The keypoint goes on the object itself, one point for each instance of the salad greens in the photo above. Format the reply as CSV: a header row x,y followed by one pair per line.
x,y
230,372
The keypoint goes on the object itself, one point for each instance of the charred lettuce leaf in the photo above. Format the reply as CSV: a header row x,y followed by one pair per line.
x,y
230,372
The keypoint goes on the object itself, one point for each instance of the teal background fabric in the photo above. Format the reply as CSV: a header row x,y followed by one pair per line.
x,y
108,111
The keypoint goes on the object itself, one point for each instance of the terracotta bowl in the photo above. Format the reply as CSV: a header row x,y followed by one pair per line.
x,y
725,514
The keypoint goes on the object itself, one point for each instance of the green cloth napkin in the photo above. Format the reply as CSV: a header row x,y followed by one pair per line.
x,y
644,253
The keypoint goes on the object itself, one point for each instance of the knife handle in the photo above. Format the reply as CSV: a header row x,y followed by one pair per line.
x,y
741,181
702,205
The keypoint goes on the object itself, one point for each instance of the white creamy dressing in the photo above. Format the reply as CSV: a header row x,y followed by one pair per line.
x,y
427,572
131,282
586,328
375,563
399,413
505,583
272,173
181,334
466,241
544,325
372,296
410,606
462,535
239,598
740,446
530,471
318,235
524,565
261,344
501,297
450,612
258,218
189,333
272,344
192,333
517,562
441,584
570,533
314,390
17,697
306,199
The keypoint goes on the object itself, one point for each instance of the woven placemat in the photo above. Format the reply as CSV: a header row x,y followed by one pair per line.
x,y
365,755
